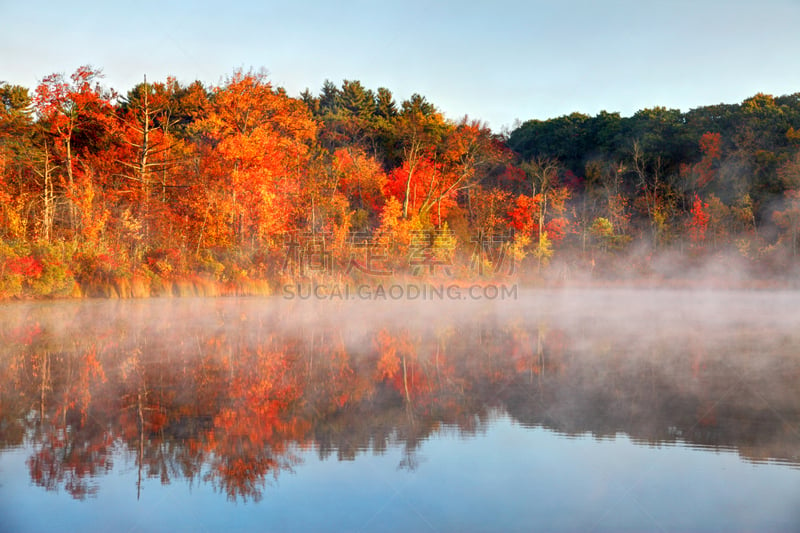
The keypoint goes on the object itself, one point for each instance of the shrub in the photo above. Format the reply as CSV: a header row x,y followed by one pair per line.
x,y
38,269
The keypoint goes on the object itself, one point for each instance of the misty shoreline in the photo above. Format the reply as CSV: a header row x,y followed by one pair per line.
x,y
350,289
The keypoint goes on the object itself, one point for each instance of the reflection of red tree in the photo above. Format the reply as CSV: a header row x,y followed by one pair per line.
x,y
399,365
250,435
70,449
80,383
72,458
331,373
422,371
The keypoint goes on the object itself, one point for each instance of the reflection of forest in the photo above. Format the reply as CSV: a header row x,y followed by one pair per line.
x,y
228,392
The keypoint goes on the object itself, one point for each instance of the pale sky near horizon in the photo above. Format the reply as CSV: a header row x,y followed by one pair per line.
x,y
496,62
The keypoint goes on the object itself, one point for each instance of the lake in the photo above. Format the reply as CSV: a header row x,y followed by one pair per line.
x,y
557,410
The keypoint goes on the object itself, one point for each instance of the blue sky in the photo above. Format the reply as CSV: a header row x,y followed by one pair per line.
x,y
496,62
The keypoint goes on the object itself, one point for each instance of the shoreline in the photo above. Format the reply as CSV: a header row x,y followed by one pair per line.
x,y
198,287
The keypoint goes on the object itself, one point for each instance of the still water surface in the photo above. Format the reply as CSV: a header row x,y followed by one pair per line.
x,y
561,411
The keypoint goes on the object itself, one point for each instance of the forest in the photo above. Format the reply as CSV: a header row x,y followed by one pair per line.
x,y
176,189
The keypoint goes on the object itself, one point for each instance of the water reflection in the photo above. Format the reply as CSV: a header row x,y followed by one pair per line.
x,y
233,392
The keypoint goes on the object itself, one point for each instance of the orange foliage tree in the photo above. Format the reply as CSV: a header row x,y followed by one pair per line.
x,y
77,116
255,150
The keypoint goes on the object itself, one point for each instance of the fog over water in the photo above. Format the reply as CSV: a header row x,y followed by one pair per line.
x,y
254,399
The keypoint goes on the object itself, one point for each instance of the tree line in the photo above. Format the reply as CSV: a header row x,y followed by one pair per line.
x,y
175,188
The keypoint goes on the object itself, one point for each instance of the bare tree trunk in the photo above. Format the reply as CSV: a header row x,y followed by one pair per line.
x,y
650,190
405,381
48,197
70,186
45,384
145,150
412,158
141,448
